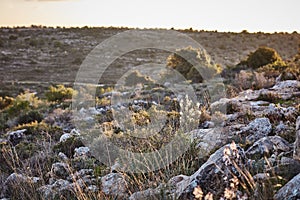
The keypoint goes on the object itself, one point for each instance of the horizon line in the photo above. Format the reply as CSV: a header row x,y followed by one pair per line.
x,y
190,29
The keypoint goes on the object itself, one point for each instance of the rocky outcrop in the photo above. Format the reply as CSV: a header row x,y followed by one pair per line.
x,y
264,128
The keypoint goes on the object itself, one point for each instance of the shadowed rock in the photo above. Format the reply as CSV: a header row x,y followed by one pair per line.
x,y
297,142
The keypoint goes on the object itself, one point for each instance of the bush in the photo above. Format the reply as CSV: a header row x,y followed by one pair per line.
x,y
193,64
33,127
5,102
136,78
31,116
292,72
23,103
59,93
262,56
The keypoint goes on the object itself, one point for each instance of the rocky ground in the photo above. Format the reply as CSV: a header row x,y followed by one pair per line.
x,y
262,163
36,57
243,132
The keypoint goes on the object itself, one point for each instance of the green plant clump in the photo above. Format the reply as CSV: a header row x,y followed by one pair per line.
x,y
262,56
59,93
193,64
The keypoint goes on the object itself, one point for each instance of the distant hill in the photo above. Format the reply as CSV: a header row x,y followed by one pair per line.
x,y
55,54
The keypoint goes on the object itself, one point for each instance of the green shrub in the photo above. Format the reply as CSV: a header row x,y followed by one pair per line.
x,y
26,149
33,127
23,103
262,56
137,78
288,71
30,116
59,93
193,64
58,44
5,102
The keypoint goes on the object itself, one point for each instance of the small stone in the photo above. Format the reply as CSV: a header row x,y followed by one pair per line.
x,y
148,194
63,156
59,170
114,184
75,132
82,152
84,172
64,137
261,177
92,188
16,137
46,192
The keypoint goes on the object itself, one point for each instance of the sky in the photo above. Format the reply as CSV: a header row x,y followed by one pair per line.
x,y
221,15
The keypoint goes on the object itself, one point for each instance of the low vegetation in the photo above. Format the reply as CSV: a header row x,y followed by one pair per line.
x,y
194,64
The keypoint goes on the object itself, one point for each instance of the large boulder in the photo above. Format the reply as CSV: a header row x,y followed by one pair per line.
x,y
221,174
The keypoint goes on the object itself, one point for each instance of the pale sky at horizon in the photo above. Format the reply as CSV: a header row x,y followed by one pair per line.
x,y
221,15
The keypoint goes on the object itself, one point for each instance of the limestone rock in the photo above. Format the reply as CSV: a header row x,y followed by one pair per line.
x,y
16,136
114,184
59,189
59,170
266,146
82,152
289,191
207,140
258,128
214,175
